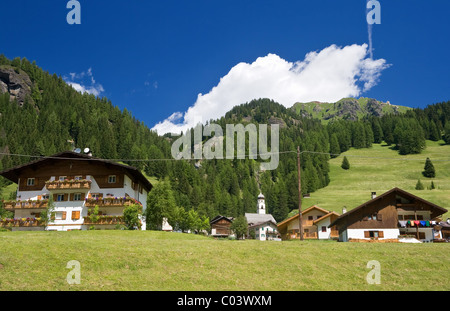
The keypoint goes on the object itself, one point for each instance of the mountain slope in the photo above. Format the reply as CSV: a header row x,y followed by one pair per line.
x,y
348,109
380,169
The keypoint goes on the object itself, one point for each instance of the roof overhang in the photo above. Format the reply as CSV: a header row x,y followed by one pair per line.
x,y
13,173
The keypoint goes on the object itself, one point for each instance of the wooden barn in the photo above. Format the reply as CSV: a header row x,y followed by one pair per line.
x,y
221,226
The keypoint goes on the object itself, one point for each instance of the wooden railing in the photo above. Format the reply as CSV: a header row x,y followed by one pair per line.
x,y
11,205
21,222
104,220
68,184
310,235
111,202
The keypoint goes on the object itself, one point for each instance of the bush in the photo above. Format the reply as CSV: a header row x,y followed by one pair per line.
x,y
131,217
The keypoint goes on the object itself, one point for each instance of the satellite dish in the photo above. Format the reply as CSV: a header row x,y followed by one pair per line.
x,y
86,150
78,150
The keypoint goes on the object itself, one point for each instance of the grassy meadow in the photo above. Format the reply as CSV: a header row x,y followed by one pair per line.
x,y
380,169
150,260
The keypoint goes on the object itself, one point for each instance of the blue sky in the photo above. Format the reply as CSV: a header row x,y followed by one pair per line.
x,y
155,57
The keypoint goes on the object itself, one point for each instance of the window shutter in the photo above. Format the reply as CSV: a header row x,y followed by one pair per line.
x,y
366,234
63,215
70,196
55,196
381,234
76,215
66,197
379,217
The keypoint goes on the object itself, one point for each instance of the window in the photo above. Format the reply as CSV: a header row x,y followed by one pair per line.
x,y
45,197
95,195
62,178
60,216
78,177
75,215
310,218
30,182
374,234
59,197
77,196
112,179
324,229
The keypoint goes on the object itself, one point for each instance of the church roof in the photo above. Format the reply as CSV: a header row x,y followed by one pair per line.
x,y
254,219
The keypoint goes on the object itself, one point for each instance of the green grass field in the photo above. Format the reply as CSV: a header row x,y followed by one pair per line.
x,y
380,169
149,260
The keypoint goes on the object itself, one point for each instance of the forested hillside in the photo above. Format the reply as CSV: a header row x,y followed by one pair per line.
x,y
52,113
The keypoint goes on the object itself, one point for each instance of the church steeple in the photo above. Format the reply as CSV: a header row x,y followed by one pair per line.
x,y
261,205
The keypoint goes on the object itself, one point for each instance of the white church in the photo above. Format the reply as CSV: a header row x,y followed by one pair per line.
x,y
264,225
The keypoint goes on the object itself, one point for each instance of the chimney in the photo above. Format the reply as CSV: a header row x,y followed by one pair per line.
x,y
374,195
344,210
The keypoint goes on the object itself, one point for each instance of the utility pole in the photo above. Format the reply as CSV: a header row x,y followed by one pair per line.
x,y
300,225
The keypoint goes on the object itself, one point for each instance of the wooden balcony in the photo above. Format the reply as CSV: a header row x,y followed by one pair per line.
x,y
104,220
68,184
111,202
22,222
310,235
30,204
334,233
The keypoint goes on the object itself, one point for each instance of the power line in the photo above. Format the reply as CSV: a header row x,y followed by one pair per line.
x,y
223,158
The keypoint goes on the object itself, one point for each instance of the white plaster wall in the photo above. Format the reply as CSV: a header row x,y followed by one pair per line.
x,y
326,223
359,233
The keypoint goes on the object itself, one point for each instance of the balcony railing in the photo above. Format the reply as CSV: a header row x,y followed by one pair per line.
x,y
111,202
68,184
310,235
104,220
29,204
271,232
21,222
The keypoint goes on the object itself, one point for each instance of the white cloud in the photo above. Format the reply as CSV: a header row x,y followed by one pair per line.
x,y
84,82
327,76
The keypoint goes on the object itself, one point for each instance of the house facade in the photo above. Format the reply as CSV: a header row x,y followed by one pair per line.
x,y
392,215
315,222
76,183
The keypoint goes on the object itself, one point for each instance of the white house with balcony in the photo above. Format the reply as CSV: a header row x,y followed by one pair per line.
x,y
76,183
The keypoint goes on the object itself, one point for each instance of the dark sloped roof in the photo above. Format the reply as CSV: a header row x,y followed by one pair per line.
x,y
13,173
439,209
219,217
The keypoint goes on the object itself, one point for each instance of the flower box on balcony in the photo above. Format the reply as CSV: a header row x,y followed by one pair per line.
x,y
68,184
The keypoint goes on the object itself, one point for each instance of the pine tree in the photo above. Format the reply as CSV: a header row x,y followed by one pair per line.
x,y
432,186
429,170
334,146
419,185
447,133
434,132
345,164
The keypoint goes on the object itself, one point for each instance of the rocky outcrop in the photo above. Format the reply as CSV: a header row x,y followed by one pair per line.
x,y
18,85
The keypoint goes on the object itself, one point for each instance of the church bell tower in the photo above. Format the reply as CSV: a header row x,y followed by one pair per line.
x,y
261,205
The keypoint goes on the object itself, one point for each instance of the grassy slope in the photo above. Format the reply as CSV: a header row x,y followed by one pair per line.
x,y
149,260
353,187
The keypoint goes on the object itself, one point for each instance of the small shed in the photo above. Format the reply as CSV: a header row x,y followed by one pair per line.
x,y
221,226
